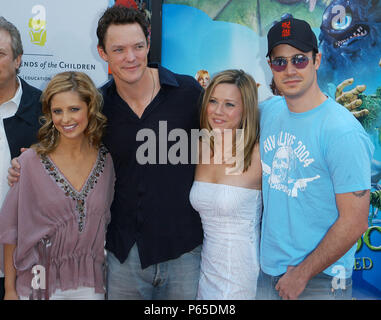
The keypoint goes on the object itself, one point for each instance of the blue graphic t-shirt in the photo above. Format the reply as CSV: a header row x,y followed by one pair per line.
x,y
306,159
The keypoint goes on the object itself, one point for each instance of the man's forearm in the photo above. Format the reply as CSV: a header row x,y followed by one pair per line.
x,y
344,233
338,240
352,222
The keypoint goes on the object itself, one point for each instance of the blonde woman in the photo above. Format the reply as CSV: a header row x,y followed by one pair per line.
x,y
227,188
203,78
53,221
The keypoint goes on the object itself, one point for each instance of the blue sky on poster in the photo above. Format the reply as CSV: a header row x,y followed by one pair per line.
x,y
223,45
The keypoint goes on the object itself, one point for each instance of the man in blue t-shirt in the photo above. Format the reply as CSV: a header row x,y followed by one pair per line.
x,y
316,161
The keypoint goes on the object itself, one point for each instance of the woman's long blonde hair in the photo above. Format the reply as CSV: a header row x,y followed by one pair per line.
x,y
250,116
81,83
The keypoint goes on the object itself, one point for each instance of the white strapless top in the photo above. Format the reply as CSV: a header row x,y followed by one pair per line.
x,y
230,218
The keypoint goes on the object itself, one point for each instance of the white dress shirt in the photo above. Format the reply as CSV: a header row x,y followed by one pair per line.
x,y
7,109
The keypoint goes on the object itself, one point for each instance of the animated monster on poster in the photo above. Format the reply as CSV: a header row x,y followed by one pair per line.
x,y
213,35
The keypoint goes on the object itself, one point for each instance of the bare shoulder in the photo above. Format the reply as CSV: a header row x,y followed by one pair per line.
x,y
205,170
204,152
254,172
256,152
256,158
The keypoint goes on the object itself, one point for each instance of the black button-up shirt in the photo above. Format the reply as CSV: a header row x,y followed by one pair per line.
x,y
151,205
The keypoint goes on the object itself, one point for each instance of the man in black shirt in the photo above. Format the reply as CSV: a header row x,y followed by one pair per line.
x,y
154,238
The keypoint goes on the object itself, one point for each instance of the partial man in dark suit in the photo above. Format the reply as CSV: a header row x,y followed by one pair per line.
x,y
20,110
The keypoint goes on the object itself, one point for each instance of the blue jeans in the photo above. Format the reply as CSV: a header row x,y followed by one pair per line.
x,y
320,287
175,279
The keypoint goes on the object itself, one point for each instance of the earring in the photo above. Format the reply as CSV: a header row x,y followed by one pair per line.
x,y
52,138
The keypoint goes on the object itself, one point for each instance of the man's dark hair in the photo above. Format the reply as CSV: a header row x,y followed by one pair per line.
x,y
120,15
314,56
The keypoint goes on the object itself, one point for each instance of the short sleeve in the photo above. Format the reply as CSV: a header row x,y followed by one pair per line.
x,y
267,106
349,162
265,103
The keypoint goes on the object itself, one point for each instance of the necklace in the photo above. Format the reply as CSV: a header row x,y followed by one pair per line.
x,y
135,105
153,89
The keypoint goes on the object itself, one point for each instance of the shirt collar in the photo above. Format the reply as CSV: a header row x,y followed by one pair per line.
x,y
166,77
17,98
13,104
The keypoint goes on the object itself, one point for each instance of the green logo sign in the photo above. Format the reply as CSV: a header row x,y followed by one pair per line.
x,y
37,26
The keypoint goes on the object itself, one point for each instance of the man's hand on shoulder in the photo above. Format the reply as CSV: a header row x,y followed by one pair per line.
x,y
14,170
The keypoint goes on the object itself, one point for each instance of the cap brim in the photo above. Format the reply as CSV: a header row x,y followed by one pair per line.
x,y
293,43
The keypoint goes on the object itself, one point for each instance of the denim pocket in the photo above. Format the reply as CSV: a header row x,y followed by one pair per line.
x,y
325,287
